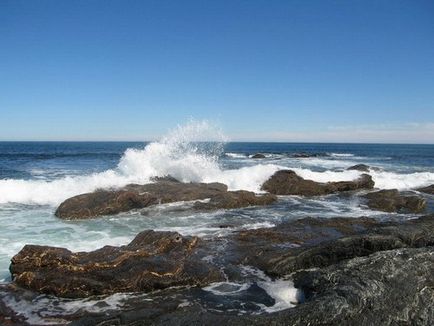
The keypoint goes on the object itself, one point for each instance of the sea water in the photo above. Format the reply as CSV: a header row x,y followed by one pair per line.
x,y
35,177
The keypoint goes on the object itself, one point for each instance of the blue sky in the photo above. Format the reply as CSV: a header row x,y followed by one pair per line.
x,y
263,70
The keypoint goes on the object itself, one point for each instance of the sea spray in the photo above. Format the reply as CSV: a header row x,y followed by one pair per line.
x,y
191,153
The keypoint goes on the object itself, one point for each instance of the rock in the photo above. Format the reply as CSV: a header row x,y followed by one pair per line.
x,y
307,155
153,260
287,182
133,196
313,242
258,155
362,291
103,202
427,190
264,247
236,199
393,201
369,291
350,272
360,167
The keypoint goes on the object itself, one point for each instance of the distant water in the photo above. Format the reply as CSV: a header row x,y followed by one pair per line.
x,y
36,176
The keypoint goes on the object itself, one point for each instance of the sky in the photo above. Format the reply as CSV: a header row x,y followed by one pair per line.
x,y
326,71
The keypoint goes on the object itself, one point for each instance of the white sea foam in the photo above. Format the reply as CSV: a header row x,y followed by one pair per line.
x,y
47,310
327,176
401,181
283,292
179,155
236,155
341,155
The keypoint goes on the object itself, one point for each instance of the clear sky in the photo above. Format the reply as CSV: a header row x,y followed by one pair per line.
x,y
263,70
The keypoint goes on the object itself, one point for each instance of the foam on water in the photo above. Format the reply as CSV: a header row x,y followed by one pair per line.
x,y
40,310
401,181
341,155
185,155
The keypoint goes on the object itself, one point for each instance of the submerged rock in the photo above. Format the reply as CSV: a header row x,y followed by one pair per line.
x,y
153,260
391,200
307,155
287,182
360,167
258,155
427,190
133,196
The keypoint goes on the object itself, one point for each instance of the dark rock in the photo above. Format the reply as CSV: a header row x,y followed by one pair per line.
x,y
168,192
236,199
393,201
427,190
287,182
360,167
103,202
258,155
153,260
133,196
308,242
369,291
386,288
351,272
307,155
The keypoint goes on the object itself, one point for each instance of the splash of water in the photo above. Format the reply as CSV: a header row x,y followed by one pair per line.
x,y
188,153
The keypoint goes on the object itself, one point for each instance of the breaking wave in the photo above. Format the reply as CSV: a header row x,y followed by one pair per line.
x,y
189,153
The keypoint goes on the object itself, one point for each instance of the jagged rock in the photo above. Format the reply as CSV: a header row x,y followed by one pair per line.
x,y
153,260
360,167
258,155
287,182
427,190
351,272
133,196
386,288
391,200
309,242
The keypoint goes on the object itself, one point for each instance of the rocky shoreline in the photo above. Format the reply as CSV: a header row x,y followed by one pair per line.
x,y
347,271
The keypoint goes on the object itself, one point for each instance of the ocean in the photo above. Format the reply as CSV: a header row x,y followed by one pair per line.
x,y
35,177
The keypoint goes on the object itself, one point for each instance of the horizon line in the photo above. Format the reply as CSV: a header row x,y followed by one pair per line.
x,y
230,141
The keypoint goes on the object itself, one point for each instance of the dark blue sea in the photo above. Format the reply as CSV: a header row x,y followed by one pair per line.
x,y
35,177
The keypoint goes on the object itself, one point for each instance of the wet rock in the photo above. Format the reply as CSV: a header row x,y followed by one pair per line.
x,y
153,260
168,192
427,190
303,155
391,200
351,272
103,202
287,182
361,291
370,290
309,242
133,196
258,155
264,247
236,199
360,167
